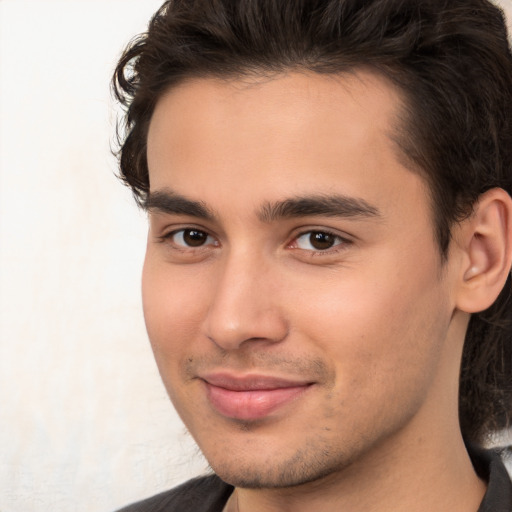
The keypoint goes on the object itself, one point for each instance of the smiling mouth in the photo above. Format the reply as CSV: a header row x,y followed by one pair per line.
x,y
251,397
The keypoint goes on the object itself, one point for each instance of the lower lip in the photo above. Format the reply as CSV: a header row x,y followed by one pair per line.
x,y
251,405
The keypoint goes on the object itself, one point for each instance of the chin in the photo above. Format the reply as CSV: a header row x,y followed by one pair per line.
x,y
304,467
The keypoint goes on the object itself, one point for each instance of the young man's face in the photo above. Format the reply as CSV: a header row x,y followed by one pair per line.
x,y
294,295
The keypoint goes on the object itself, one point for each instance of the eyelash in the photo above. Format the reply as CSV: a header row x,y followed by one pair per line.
x,y
169,237
337,240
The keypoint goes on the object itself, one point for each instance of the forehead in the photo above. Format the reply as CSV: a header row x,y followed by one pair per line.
x,y
272,109
286,135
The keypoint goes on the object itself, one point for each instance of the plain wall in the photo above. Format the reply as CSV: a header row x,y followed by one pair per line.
x,y
85,423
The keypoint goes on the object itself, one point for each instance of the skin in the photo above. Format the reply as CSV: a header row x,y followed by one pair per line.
x,y
371,323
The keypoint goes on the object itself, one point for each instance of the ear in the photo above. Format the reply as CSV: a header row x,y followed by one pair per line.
x,y
485,239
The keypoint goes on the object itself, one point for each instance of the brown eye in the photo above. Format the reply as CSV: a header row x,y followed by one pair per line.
x,y
191,238
321,241
194,238
317,241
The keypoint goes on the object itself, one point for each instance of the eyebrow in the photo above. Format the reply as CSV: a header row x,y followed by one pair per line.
x,y
325,205
167,201
172,203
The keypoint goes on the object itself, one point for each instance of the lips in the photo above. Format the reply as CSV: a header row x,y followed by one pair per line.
x,y
251,397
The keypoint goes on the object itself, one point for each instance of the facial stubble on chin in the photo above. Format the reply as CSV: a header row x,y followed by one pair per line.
x,y
312,461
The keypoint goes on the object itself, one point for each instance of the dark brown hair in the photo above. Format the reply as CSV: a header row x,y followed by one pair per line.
x,y
452,62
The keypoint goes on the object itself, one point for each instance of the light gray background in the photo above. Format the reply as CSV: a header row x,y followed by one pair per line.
x,y
85,424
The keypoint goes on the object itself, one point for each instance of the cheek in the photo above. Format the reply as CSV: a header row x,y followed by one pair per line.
x,y
172,304
383,330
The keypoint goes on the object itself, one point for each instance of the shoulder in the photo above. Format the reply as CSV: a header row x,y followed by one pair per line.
x,y
490,467
204,494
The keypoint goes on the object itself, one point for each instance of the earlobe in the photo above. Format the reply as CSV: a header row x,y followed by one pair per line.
x,y
486,241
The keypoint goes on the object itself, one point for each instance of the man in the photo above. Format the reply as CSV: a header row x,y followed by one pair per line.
x,y
327,280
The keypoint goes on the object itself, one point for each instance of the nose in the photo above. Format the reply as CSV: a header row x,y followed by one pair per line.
x,y
245,305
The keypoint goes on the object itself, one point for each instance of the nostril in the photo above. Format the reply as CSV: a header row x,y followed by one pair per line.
x,y
260,327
